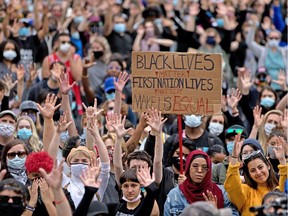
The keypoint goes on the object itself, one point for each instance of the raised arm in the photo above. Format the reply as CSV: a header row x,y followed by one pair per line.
x,y
119,86
156,123
258,119
47,112
65,103
108,24
86,83
45,27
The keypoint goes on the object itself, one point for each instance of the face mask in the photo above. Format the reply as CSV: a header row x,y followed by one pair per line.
x,y
273,43
193,121
230,147
216,128
132,201
24,32
78,19
33,117
271,152
110,153
9,209
211,41
120,27
220,22
267,102
9,55
24,134
64,136
6,130
176,162
76,169
110,96
16,163
150,33
268,127
52,28
75,35
98,54
65,47
158,21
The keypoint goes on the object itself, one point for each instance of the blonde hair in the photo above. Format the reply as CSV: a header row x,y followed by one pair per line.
x,y
80,149
34,141
113,137
262,137
106,47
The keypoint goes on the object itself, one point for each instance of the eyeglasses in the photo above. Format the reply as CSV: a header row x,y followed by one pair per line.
x,y
12,155
16,199
254,153
232,130
196,167
117,68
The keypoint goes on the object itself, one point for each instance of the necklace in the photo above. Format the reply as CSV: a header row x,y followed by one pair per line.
x,y
80,192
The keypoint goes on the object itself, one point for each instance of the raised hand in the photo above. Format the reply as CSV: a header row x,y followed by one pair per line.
x,y
237,146
92,112
44,190
234,98
8,81
181,179
49,108
57,70
281,80
246,82
155,121
280,150
65,87
33,72
194,9
110,119
54,178
144,177
258,117
284,120
223,103
209,197
121,82
33,190
89,176
20,72
119,126
62,123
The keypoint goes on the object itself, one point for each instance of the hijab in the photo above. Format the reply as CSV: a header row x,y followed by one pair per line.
x,y
194,193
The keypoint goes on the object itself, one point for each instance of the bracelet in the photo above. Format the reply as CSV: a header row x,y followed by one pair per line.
x,y
234,157
30,208
84,76
60,201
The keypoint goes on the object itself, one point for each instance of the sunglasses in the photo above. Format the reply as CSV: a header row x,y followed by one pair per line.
x,y
12,155
16,199
232,130
254,153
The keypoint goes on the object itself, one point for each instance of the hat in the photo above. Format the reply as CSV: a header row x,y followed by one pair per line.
x,y
234,130
202,208
8,112
252,142
82,149
109,84
28,105
96,208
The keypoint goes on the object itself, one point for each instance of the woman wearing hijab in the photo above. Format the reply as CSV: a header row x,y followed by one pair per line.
x,y
198,174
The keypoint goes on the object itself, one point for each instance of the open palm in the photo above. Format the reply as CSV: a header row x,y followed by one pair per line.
x,y
49,108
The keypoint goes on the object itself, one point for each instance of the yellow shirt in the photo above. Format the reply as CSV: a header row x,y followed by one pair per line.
x,y
242,195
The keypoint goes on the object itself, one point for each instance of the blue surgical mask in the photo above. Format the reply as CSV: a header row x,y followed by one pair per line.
x,y
64,136
78,19
271,152
230,147
75,35
216,128
211,41
220,22
267,102
24,32
273,43
193,121
268,127
24,134
16,163
120,27
76,169
110,96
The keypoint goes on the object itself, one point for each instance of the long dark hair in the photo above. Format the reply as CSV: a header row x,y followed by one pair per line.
x,y
272,181
17,50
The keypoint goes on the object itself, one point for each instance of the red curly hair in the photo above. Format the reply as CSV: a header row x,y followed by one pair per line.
x,y
38,160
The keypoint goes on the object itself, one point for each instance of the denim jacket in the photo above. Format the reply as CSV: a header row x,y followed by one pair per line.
x,y
176,202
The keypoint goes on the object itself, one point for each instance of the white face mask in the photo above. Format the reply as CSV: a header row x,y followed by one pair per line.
x,y
216,128
65,47
76,169
132,201
9,55
193,121
6,130
273,43
268,127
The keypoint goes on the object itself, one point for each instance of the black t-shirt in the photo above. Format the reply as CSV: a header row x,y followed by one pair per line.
x,y
40,87
120,44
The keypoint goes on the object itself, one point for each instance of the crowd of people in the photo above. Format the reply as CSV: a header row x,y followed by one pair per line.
x,y
70,143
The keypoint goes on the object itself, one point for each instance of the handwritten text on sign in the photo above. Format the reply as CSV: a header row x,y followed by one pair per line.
x,y
179,83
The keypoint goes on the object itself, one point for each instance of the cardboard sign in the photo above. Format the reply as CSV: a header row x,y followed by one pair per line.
x,y
176,83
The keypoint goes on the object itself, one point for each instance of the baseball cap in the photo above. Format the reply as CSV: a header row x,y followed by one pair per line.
x,y
236,129
96,208
28,105
202,208
8,112
109,84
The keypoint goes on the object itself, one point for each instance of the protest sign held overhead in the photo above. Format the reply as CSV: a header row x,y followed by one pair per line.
x,y
176,83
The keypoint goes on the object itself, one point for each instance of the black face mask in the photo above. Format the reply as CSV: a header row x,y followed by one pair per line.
x,y
98,54
52,28
176,162
211,41
9,209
